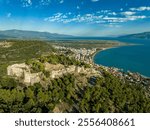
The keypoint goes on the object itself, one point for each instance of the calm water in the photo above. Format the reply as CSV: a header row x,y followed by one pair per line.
x,y
133,58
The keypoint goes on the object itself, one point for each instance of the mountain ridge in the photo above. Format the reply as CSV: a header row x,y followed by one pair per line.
x,y
26,34
143,35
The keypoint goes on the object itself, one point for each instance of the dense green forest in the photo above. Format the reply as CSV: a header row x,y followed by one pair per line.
x,y
66,94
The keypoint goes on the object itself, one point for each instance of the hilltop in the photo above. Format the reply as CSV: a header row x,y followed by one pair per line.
x,y
14,51
57,77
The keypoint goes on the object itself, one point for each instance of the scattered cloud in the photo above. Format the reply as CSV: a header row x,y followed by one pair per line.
x,y
127,13
121,9
142,8
94,0
112,13
132,18
61,1
48,2
125,19
45,2
26,3
105,17
96,18
65,18
58,17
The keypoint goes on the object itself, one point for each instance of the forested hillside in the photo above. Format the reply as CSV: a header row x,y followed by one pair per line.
x,y
68,94
71,92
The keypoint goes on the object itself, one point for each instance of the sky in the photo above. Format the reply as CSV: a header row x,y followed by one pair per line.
x,y
76,17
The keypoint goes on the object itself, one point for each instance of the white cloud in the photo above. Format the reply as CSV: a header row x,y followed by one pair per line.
x,y
45,2
125,19
48,2
61,1
142,8
112,13
94,0
99,17
127,13
65,18
132,18
26,3
8,15
69,13
104,11
58,17
121,9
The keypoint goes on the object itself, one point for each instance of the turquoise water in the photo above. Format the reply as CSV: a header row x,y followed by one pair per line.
x,y
133,58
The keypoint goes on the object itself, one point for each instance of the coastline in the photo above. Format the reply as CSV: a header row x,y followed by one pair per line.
x,y
113,47
121,44
102,49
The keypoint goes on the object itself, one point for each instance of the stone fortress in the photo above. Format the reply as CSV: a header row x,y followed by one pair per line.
x,y
23,73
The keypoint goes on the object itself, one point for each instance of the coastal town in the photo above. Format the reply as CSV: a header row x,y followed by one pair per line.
x,y
66,78
80,54
128,76
86,55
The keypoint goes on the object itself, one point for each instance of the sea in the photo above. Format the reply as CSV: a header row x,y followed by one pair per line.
x,y
135,58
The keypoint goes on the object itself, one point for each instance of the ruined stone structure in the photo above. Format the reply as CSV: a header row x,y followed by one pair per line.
x,y
22,72
17,70
31,78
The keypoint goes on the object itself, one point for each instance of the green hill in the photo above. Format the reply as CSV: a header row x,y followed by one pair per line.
x,y
71,92
20,51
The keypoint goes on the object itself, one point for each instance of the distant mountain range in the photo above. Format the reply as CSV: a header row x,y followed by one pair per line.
x,y
21,34
144,35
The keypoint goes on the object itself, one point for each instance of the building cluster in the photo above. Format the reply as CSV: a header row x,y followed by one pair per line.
x,y
129,76
85,55
81,54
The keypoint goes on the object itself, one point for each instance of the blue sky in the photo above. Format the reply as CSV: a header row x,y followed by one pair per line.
x,y
76,17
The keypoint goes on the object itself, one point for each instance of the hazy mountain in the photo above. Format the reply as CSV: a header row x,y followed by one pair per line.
x,y
144,35
21,34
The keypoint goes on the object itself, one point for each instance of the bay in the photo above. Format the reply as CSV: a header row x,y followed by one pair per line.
x,y
134,58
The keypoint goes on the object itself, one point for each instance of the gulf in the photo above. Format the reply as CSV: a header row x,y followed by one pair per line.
x,y
134,58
